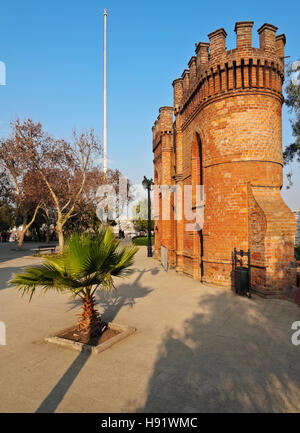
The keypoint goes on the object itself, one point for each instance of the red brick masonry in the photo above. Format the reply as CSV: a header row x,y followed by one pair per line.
x,y
227,135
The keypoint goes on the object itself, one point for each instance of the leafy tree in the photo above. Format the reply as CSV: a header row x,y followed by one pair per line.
x,y
34,199
7,216
5,183
7,211
88,263
292,100
62,166
84,216
140,221
116,204
56,176
141,225
22,184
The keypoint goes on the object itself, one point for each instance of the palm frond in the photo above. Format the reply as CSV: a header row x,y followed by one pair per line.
x,y
87,262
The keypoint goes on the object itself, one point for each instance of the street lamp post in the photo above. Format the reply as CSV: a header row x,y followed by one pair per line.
x,y
147,183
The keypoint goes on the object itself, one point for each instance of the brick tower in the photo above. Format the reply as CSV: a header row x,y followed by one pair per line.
x,y
227,136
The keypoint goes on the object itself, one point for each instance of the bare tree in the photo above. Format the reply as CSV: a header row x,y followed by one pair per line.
x,y
24,190
61,165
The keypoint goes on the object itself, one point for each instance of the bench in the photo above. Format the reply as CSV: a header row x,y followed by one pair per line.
x,y
42,248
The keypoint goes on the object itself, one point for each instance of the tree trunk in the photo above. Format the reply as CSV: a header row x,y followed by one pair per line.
x,y
89,320
60,234
21,238
26,226
22,234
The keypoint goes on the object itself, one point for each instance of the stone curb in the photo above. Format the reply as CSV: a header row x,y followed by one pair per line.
x,y
83,347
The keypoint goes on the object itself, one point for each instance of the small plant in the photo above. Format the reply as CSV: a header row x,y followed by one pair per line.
x,y
142,240
88,263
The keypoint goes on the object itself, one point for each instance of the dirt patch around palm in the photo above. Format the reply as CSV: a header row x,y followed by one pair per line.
x,y
78,336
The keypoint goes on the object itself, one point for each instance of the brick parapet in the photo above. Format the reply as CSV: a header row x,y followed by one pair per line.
x,y
162,125
244,68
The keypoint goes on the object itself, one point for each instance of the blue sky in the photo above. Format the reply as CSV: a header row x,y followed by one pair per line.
x,y
53,54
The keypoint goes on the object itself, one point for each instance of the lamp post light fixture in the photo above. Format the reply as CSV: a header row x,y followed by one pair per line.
x,y
147,184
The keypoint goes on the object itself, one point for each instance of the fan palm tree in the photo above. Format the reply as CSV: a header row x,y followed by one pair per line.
x,y
88,262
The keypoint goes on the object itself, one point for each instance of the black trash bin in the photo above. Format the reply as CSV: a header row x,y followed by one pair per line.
x,y
242,286
242,279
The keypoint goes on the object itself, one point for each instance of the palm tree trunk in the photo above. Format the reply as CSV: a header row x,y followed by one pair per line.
x,y
89,320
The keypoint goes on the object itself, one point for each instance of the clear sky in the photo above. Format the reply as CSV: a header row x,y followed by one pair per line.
x,y
53,52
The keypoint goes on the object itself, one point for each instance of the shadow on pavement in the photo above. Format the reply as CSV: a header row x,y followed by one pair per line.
x,y
9,253
57,394
245,363
6,274
126,295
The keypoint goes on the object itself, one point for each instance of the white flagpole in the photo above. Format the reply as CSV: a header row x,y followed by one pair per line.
x,y
104,102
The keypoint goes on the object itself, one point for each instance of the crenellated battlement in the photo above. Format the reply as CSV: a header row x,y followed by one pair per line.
x,y
163,124
215,70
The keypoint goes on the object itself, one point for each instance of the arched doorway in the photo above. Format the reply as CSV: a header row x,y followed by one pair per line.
x,y
197,180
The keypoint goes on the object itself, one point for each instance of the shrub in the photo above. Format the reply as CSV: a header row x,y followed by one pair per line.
x,y
142,240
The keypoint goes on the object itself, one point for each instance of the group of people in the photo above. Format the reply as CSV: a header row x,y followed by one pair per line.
x,y
4,236
121,234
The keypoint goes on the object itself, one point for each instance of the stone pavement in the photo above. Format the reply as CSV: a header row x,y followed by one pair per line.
x,y
197,349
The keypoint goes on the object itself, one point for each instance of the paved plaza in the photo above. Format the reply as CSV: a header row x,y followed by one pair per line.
x,y
197,348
